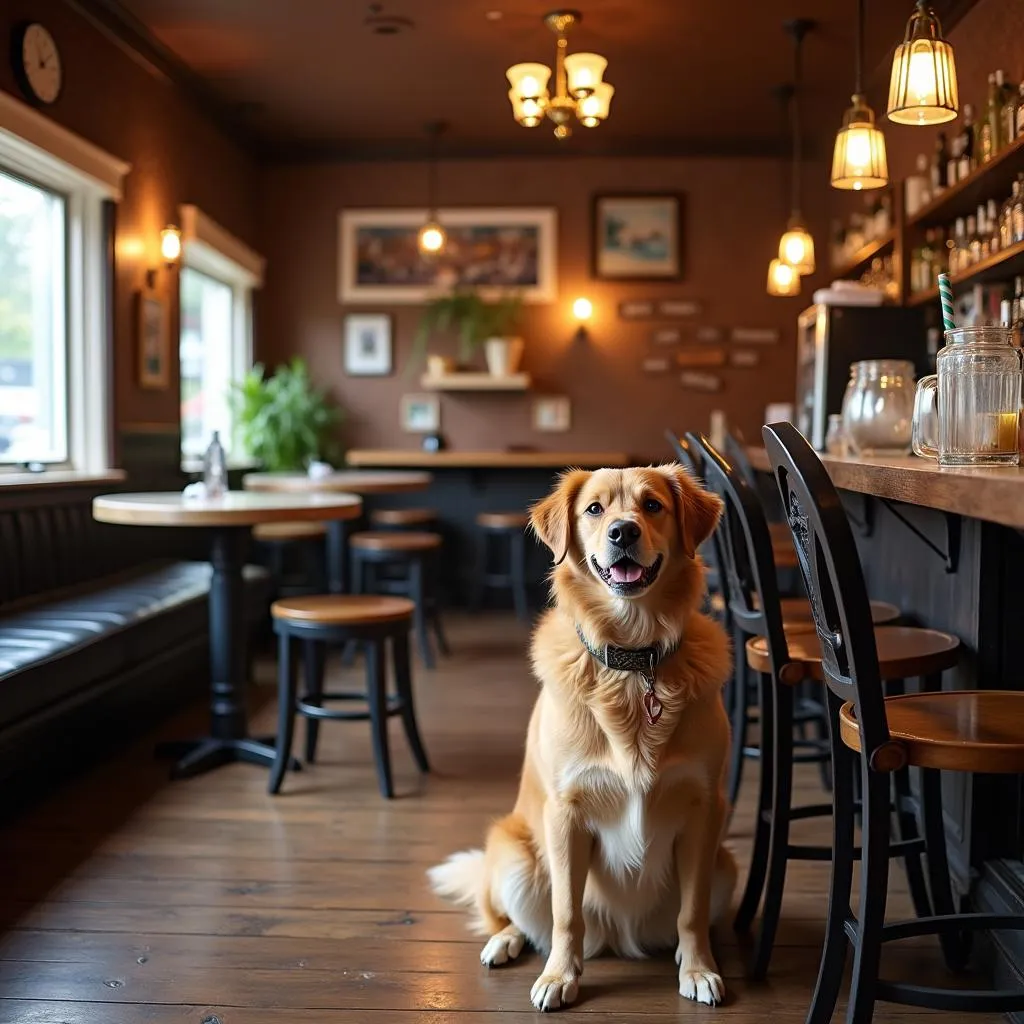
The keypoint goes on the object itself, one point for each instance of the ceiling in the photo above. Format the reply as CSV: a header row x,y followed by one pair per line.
x,y
311,78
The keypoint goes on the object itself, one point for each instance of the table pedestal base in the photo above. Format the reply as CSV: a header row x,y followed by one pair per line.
x,y
193,757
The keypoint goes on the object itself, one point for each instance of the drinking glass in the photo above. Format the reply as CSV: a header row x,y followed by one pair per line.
x,y
878,407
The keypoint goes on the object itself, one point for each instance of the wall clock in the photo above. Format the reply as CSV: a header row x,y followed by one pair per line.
x,y
36,61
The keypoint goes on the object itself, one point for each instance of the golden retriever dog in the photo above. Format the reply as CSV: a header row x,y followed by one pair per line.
x,y
615,841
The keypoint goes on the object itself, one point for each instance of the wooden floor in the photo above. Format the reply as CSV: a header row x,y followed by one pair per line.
x,y
131,900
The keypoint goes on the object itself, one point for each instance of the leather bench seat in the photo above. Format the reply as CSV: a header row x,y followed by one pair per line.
x,y
66,642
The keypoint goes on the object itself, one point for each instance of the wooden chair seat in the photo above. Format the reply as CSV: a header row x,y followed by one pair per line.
x,y
282,533
960,730
398,542
797,610
343,610
903,652
403,516
502,520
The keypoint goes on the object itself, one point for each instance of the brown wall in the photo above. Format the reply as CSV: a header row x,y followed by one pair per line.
x,y
734,215
115,101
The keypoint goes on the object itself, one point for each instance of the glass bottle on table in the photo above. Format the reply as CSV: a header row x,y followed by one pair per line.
x,y
215,468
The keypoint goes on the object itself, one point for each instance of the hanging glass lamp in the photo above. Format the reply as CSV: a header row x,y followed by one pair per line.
x,y
923,86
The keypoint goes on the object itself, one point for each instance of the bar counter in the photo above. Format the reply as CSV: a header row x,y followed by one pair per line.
x,y
516,459
946,546
994,494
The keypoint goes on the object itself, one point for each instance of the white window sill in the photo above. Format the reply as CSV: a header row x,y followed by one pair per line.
x,y
59,478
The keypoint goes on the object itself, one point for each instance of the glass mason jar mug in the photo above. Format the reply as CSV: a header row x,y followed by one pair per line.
x,y
967,413
878,407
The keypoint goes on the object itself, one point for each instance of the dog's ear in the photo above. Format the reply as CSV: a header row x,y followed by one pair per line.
x,y
551,518
697,509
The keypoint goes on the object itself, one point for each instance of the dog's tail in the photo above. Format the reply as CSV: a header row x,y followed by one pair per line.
x,y
464,879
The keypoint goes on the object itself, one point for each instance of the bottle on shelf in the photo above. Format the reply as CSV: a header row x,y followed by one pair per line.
x,y
1019,115
990,126
940,165
973,240
992,226
1017,214
958,248
1006,218
1008,114
215,468
1017,305
966,151
917,188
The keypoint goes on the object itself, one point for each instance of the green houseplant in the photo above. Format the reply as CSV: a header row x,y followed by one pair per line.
x,y
478,323
282,420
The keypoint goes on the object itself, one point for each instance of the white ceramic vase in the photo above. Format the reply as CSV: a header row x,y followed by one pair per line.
x,y
503,355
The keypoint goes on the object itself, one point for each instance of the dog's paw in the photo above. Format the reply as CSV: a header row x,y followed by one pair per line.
x,y
702,987
500,948
552,991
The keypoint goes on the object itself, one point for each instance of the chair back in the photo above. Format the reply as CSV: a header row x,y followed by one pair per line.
x,y
736,453
832,574
750,577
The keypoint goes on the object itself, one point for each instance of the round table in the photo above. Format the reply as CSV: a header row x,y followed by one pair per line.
x,y
352,481
228,520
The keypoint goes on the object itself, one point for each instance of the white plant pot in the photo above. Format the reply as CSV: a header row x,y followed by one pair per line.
x,y
503,355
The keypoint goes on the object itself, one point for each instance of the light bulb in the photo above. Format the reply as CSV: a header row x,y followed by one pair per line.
x,y
170,244
582,308
431,238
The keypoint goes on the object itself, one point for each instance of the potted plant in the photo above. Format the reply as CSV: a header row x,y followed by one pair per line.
x,y
478,324
282,420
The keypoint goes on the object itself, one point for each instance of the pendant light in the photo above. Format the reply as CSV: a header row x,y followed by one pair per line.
x,y
858,161
432,238
923,87
796,246
783,280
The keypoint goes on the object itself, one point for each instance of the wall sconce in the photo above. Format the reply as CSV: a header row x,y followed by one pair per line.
x,y
582,311
170,252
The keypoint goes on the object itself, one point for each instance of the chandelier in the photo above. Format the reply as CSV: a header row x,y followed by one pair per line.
x,y
579,90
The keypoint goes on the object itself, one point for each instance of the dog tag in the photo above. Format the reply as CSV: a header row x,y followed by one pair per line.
x,y
652,706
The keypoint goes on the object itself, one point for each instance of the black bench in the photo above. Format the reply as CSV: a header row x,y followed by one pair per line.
x,y
102,629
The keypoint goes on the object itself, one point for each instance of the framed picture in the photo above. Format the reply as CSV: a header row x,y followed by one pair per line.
x,y
552,413
368,344
701,357
667,336
670,308
496,250
637,237
421,414
755,335
153,341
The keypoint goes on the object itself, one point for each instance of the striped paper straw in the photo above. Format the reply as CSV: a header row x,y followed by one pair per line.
x,y
946,298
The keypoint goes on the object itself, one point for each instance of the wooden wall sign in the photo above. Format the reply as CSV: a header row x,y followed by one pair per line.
x,y
678,308
708,334
744,357
755,335
701,357
695,381
636,310
666,336
655,364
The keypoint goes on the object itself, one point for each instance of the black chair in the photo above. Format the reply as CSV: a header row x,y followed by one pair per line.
x,y
877,736
505,531
775,650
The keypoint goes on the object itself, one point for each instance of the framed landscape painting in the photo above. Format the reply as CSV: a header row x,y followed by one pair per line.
x,y
495,250
638,237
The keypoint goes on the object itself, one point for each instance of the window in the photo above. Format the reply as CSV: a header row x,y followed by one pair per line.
x,y
54,309
33,313
215,348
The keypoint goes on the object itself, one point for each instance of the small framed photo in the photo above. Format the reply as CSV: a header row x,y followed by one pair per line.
x,y
636,309
637,237
421,414
666,336
552,414
368,344
153,341
671,308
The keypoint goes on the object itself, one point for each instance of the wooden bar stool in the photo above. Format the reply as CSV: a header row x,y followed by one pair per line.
x,y
877,736
328,619
281,539
403,518
509,529
785,654
413,553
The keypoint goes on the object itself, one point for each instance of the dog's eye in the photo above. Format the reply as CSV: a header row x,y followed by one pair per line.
x,y
594,508
652,505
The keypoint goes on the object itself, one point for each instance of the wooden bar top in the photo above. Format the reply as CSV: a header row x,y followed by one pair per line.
x,y
995,494
381,457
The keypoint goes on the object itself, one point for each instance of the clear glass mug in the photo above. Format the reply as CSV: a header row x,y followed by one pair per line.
x,y
967,413
878,407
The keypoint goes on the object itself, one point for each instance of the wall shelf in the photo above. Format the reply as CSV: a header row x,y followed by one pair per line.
x,y
1005,264
862,258
475,382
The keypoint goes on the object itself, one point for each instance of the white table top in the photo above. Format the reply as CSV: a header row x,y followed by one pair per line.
x,y
236,508
354,481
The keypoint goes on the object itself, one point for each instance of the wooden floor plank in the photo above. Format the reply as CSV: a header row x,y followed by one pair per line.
x,y
131,900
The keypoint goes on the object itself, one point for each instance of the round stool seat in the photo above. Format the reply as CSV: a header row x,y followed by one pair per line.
x,y
796,611
397,542
903,652
343,610
403,516
963,731
280,533
502,520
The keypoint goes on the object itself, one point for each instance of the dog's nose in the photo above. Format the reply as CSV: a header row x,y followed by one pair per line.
x,y
623,532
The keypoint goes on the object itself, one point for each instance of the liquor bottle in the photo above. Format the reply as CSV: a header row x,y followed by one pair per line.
x,y
1017,306
958,248
966,152
990,133
1017,216
215,468
1008,114
974,236
940,165
1020,112
992,224
940,255
1006,218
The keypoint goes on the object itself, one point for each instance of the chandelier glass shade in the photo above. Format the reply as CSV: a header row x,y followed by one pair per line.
x,y
796,247
923,86
782,279
859,161
580,91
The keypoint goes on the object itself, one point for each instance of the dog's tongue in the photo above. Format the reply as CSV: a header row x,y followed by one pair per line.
x,y
626,572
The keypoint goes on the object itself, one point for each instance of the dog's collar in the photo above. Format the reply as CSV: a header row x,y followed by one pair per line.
x,y
644,660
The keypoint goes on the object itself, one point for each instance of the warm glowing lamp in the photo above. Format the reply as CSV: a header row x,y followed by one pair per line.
x,y
859,161
170,244
782,279
923,86
431,238
529,81
796,247
593,109
582,310
583,72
